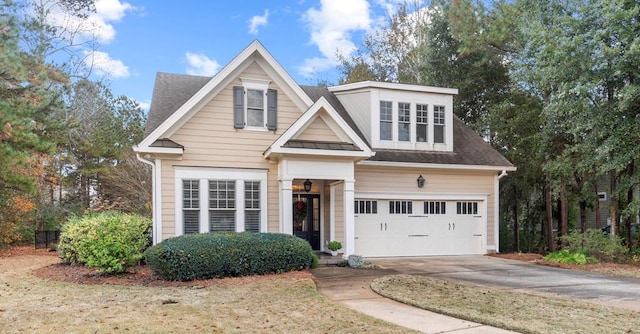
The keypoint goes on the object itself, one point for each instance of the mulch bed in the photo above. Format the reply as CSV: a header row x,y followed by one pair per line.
x,y
135,276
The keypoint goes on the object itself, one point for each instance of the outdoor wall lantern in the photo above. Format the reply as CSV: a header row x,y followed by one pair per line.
x,y
420,181
307,185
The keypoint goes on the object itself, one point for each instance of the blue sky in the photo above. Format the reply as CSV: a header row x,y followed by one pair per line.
x,y
141,37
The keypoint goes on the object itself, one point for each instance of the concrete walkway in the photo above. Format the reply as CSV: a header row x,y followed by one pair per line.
x,y
351,287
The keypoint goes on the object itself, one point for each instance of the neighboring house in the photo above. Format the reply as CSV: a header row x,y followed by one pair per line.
x,y
388,169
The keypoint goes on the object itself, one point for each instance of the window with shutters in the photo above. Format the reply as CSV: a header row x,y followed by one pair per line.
x,y
255,106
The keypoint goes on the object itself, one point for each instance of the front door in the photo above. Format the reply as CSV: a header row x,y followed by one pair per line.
x,y
306,218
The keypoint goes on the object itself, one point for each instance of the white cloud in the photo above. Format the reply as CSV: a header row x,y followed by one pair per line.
x,y
96,26
102,64
199,64
312,66
144,105
331,27
258,21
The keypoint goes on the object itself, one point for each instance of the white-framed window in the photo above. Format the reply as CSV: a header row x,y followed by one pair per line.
x,y
401,207
438,124
369,207
404,121
222,206
435,208
255,106
191,205
386,120
467,208
252,206
602,196
234,200
422,123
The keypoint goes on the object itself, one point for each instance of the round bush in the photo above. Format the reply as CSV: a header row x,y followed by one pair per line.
x,y
108,241
209,255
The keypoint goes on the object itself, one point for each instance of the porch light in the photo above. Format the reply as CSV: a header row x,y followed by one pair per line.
x,y
307,185
420,181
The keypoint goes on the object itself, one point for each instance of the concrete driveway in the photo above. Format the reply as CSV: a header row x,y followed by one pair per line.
x,y
522,276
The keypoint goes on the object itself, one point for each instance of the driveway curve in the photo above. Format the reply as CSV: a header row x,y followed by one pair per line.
x,y
522,276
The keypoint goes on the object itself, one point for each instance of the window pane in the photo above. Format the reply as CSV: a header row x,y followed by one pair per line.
x,y
355,207
374,207
255,99
191,219
409,207
255,117
252,220
222,194
392,207
438,133
222,220
443,207
252,195
190,194
386,120
404,121
421,133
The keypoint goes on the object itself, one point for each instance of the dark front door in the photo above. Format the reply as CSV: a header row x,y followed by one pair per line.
x,y
306,218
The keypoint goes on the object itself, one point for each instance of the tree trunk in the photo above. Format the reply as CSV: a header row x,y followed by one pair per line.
x,y
564,213
629,219
583,216
597,208
613,204
551,245
516,224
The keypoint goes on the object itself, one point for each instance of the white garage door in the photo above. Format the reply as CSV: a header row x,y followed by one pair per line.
x,y
418,228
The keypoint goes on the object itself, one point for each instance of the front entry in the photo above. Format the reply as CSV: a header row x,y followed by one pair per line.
x,y
306,218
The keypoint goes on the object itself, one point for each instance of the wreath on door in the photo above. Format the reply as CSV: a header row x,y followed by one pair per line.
x,y
300,211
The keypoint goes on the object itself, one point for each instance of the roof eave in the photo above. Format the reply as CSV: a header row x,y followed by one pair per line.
x,y
436,166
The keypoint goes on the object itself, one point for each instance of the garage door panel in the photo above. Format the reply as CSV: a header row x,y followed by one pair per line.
x,y
431,228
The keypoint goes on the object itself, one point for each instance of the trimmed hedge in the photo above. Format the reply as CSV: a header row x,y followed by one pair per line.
x,y
109,241
211,255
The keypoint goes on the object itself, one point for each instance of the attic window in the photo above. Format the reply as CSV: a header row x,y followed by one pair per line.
x,y
255,105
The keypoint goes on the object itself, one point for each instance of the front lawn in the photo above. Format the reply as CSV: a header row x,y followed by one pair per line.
x,y
270,304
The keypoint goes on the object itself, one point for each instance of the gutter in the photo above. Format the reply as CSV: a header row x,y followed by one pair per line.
x,y
502,174
154,230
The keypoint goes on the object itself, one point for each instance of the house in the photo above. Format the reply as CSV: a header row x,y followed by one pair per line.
x,y
384,168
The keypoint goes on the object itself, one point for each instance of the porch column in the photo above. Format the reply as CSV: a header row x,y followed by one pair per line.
x,y
349,218
286,206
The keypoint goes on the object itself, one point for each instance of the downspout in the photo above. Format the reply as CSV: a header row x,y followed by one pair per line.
x,y
496,207
154,231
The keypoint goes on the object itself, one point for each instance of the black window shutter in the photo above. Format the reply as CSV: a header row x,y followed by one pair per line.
x,y
238,107
272,110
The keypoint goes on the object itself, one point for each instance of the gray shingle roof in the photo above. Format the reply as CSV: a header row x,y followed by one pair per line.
x,y
468,149
172,90
321,145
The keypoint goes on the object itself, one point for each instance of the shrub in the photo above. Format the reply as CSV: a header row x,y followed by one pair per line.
x,y
597,244
334,245
565,256
209,255
108,241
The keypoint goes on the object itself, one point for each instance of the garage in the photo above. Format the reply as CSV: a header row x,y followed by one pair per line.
x,y
397,227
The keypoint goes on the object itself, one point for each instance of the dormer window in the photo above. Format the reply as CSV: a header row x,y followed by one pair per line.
x,y
255,105
386,120
404,121
438,124
422,123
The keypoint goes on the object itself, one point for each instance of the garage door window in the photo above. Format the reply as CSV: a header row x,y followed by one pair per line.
x,y
401,207
467,208
435,208
366,207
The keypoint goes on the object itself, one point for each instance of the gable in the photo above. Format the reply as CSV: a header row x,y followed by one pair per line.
x,y
166,122
318,130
